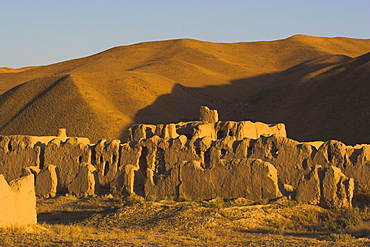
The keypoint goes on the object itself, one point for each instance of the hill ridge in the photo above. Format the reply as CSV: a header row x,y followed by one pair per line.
x,y
161,81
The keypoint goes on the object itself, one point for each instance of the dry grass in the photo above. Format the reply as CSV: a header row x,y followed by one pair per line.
x,y
103,221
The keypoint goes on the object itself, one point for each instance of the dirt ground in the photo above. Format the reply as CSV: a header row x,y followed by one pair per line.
x,y
105,221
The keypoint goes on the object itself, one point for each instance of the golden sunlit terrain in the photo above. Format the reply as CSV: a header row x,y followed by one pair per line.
x,y
317,86
107,221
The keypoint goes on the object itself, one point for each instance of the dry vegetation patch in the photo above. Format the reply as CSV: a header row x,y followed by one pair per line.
x,y
103,221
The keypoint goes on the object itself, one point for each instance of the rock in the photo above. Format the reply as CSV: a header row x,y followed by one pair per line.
x,y
207,115
163,185
166,131
264,181
30,170
195,182
17,202
209,125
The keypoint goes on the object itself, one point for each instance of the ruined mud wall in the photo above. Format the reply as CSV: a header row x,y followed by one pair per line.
x,y
17,202
208,125
198,160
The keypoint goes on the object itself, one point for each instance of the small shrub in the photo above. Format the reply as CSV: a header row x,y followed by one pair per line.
x,y
169,198
153,198
134,198
241,202
343,220
308,218
278,225
14,229
7,241
216,203
264,201
345,238
183,198
363,231
363,196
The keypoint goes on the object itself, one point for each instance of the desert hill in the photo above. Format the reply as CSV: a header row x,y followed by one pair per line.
x,y
329,103
100,96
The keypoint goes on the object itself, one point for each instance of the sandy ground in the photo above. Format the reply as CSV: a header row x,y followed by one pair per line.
x,y
104,221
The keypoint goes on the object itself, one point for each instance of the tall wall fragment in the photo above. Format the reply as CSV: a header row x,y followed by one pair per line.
x,y
17,152
292,159
17,202
249,178
353,161
47,182
327,187
69,157
106,161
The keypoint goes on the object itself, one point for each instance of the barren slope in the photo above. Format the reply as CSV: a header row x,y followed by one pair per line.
x,y
101,95
329,103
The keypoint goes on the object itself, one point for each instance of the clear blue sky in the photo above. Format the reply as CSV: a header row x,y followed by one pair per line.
x,y
45,32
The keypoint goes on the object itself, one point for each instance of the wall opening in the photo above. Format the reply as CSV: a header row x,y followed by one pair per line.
x,y
220,134
207,159
223,153
10,147
140,175
249,152
160,164
142,161
114,159
106,168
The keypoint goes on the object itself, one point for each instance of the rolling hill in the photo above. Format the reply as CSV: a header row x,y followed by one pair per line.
x,y
318,86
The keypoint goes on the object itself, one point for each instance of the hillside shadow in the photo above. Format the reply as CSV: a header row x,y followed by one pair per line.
x,y
241,100
183,103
